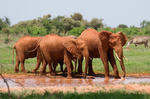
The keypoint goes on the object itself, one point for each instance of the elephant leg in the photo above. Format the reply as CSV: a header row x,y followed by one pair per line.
x,y
43,68
90,70
112,61
39,59
52,73
104,58
37,65
80,65
106,68
22,66
123,68
67,61
61,66
54,66
17,64
75,63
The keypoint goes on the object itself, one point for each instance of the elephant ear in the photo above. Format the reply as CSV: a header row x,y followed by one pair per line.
x,y
70,45
104,35
123,38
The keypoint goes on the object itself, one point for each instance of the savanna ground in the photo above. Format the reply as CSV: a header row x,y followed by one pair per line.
x,y
137,65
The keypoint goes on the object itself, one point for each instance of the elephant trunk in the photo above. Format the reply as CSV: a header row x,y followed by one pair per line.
x,y
119,55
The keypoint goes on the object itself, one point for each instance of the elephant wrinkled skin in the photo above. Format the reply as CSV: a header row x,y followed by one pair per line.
x,y
23,45
101,45
54,48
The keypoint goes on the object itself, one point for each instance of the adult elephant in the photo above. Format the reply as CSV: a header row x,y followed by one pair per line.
x,y
55,63
138,41
23,45
101,45
54,48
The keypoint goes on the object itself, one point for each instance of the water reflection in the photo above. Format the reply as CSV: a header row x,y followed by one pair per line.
x,y
45,81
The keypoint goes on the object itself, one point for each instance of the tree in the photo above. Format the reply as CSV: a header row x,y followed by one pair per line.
x,y
143,23
58,24
96,23
4,22
77,16
69,23
122,26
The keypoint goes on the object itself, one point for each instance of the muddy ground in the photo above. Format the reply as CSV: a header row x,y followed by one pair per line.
x,y
39,83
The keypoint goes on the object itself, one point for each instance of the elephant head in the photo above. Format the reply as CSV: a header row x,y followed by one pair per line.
x,y
78,48
115,41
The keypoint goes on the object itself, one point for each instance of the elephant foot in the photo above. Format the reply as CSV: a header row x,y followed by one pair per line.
x,y
80,73
16,70
84,76
69,77
34,71
42,73
24,71
91,74
52,74
106,80
123,78
117,77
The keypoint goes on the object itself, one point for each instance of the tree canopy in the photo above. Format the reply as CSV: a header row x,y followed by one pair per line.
x,y
63,25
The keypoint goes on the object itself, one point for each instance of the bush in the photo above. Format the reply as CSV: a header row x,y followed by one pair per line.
x,y
6,40
76,31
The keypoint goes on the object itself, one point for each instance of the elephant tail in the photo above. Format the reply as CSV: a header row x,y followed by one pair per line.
x,y
38,44
14,47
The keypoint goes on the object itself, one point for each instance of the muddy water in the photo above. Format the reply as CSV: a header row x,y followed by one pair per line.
x,y
38,81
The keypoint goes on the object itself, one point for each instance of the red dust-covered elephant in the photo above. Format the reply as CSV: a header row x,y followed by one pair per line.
x,y
22,46
54,48
101,45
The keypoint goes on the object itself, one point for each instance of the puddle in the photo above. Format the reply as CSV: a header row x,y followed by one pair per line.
x,y
39,81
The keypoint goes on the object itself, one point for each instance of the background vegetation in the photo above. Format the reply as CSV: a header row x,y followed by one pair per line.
x,y
63,25
138,58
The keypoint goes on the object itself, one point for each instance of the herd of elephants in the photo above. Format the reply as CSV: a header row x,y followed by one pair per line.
x,y
53,49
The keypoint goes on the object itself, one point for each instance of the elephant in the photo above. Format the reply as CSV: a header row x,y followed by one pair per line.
x,y
139,40
53,48
101,45
23,45
60,62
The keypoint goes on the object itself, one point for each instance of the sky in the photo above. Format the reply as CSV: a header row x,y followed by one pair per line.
x,y
113,12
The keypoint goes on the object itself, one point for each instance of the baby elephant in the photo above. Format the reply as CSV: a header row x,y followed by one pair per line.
x,y
138,41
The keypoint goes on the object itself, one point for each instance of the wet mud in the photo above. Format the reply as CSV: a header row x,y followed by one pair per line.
x,y
27,81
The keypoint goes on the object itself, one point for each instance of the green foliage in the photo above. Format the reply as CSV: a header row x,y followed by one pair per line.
x,y
76,31
122,26
4,23
77,16
62,25
90,95
7,40
96,23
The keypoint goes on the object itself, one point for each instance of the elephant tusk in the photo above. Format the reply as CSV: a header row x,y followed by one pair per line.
x,y
118,57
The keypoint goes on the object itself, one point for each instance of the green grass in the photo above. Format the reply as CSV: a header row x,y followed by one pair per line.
x,y
138,60
97,95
